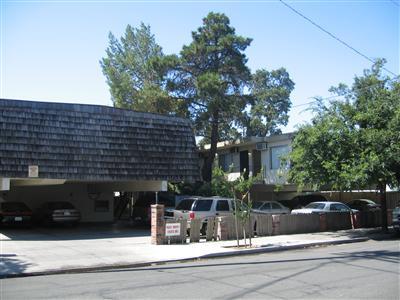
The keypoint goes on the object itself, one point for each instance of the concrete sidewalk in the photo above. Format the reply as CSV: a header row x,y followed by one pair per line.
x,y
24,256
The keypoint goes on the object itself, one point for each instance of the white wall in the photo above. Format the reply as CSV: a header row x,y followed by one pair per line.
x,y
76,193
273,176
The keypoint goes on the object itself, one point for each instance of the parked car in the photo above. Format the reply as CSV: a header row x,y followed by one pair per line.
x,y
58,212
15,213
203,208
303,200
269,207
364,205
396,219
141,213
323,207
182,209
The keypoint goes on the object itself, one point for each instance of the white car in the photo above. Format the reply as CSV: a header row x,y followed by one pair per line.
x,y
203,208
269,207
323,207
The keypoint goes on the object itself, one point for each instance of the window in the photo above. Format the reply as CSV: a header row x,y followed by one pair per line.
x,y
14,206
185,204
257,205
316,205
339,207
222,205
225,161
276,156
266,206
101,206
202,205
275,206
60,205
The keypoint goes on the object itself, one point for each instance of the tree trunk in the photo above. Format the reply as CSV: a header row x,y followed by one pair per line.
x,y
251,229
208,163
236,220
382,192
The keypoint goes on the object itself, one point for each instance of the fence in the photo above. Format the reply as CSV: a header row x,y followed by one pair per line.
x,y
224,228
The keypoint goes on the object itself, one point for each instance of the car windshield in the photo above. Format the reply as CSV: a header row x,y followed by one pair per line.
x,y
202,205
257,205
316,206
14,206
185,204
369,202
60,205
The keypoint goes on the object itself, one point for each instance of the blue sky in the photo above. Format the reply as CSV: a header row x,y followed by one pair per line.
x,y
50,50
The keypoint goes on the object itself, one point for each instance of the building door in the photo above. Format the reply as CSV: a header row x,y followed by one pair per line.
x,y
256,162
244,163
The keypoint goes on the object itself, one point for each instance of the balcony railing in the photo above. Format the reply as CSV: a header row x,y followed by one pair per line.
x,y
275,176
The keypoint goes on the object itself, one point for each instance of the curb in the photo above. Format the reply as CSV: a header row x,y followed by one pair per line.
x,y
284,248
262,249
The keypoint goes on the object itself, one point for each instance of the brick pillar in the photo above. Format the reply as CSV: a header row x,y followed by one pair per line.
x,y
276,222
322,222
157,224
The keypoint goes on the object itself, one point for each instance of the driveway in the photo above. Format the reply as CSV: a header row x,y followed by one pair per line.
x,y
66,249
35,249
81,232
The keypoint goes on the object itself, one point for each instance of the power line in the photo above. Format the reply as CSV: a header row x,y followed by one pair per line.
x,y
332,35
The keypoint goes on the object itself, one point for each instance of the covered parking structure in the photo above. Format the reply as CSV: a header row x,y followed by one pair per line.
x,y
84,153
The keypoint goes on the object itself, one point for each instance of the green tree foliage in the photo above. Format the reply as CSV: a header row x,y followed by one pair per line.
x,y
208,82
135,83
238,189
221,95
355,143
270,102
212,77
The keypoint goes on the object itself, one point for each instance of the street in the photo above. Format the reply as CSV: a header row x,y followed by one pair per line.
x,y
360,270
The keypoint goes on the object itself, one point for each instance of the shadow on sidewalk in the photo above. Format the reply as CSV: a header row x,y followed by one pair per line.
x,y
10,264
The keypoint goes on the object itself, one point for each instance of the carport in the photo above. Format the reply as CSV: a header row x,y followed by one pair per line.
x,y
84,153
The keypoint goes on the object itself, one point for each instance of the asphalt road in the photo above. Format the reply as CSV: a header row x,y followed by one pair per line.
x,y
368,270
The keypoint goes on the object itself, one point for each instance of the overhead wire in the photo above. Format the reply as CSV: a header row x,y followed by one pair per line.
x,y
333,36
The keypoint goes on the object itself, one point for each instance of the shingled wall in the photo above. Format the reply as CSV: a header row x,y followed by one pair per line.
x,y
90,142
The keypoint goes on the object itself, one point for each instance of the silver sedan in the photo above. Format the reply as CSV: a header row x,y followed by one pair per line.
x,y
323,207
269,207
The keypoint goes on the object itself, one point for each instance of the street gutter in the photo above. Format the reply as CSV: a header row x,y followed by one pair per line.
x,y
259,250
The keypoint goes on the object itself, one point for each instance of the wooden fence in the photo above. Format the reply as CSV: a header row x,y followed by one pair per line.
x,y
224,228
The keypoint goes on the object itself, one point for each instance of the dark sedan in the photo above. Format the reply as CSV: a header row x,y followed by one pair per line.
x,y
15,213
364,205
58,212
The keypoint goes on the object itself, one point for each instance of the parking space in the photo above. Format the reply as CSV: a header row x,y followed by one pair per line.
x,y
41,248
80,232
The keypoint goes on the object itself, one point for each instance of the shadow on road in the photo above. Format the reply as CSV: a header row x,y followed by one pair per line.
x,y
382,255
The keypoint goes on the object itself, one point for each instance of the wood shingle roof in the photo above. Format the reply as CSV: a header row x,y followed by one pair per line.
x,y
90,142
